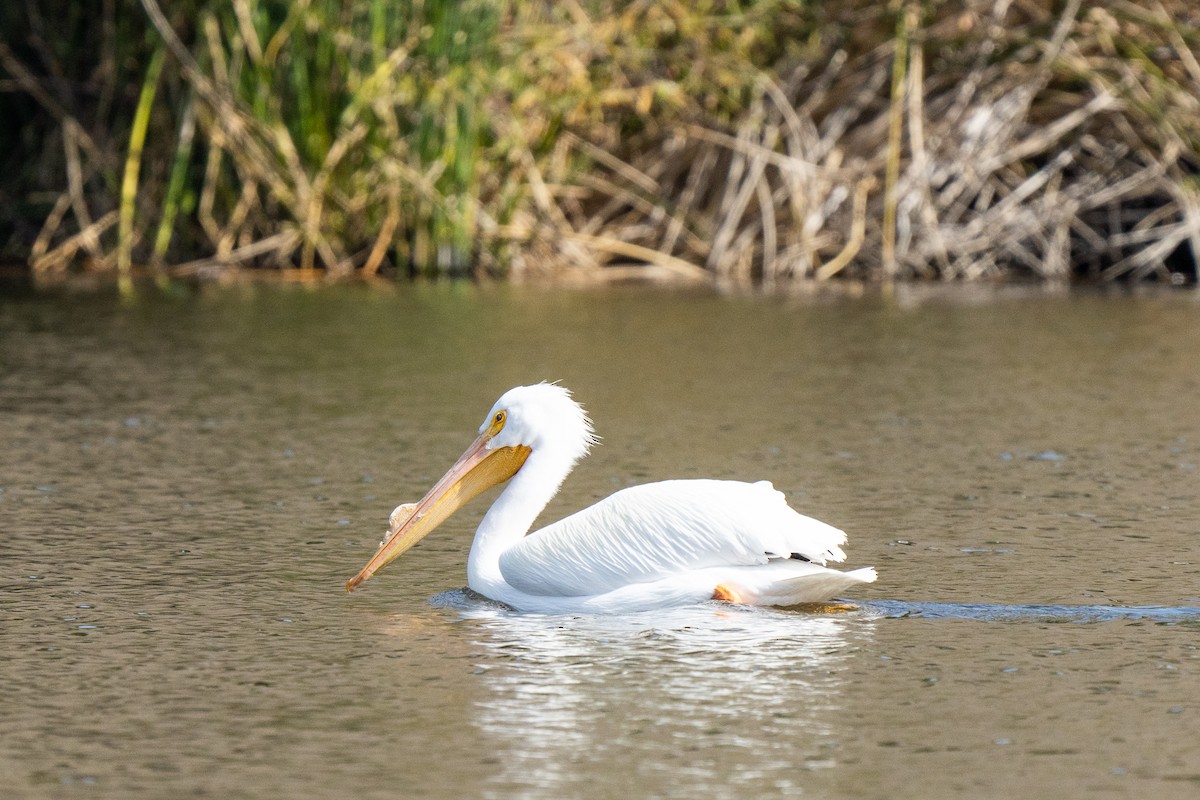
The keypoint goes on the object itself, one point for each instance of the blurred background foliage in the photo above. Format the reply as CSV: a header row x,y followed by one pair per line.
x,y
738,141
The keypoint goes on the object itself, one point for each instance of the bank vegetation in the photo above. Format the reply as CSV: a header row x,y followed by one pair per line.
x,y
756,142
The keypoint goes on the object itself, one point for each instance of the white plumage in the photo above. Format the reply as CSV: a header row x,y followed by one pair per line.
x,y
649,546
645,532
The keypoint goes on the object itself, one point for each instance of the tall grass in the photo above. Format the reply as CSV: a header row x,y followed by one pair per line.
x,y
331,135
763,141
332,118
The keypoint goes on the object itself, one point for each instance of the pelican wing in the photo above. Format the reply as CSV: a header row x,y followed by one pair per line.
x,y
656,530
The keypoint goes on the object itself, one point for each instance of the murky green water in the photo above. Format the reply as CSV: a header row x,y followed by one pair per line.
x,y
186,484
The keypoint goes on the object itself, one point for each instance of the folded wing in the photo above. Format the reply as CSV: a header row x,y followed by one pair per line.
x,y
656,530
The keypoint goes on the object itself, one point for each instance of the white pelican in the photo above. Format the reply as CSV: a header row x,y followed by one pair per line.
x,y
660,544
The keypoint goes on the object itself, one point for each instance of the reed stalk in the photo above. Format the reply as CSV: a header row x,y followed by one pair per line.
x,y
173,203
133,163
905,22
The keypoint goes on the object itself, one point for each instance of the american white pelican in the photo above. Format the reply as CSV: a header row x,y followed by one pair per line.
x,y
661,544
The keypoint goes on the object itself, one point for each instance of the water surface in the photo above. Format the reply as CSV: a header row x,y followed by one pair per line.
x,y
186,483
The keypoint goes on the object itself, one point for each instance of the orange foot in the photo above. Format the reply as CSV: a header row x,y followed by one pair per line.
x,y
723,592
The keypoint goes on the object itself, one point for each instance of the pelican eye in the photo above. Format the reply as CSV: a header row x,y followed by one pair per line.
x,y
498,420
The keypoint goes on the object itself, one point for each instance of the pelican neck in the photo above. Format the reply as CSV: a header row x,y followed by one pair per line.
x,y
513,514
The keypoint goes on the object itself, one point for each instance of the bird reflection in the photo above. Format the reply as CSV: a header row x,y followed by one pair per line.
x,y
705,699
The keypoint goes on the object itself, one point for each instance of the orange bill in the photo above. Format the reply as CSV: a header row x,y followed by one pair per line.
x,y
477,469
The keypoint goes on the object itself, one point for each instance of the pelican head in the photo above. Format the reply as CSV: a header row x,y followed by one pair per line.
x,y
541,419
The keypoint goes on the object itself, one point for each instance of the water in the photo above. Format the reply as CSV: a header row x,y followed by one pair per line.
x,y
186,483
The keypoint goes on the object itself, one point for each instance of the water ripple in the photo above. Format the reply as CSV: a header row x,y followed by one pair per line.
x,y
1043,613
474,606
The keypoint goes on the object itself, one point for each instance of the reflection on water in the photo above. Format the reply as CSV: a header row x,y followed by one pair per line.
x,y
706,701
714,700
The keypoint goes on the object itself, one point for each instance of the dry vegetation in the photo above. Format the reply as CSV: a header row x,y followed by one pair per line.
x,y
757,142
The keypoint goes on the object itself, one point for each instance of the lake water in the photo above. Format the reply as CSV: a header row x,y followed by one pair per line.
x,y
188,481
